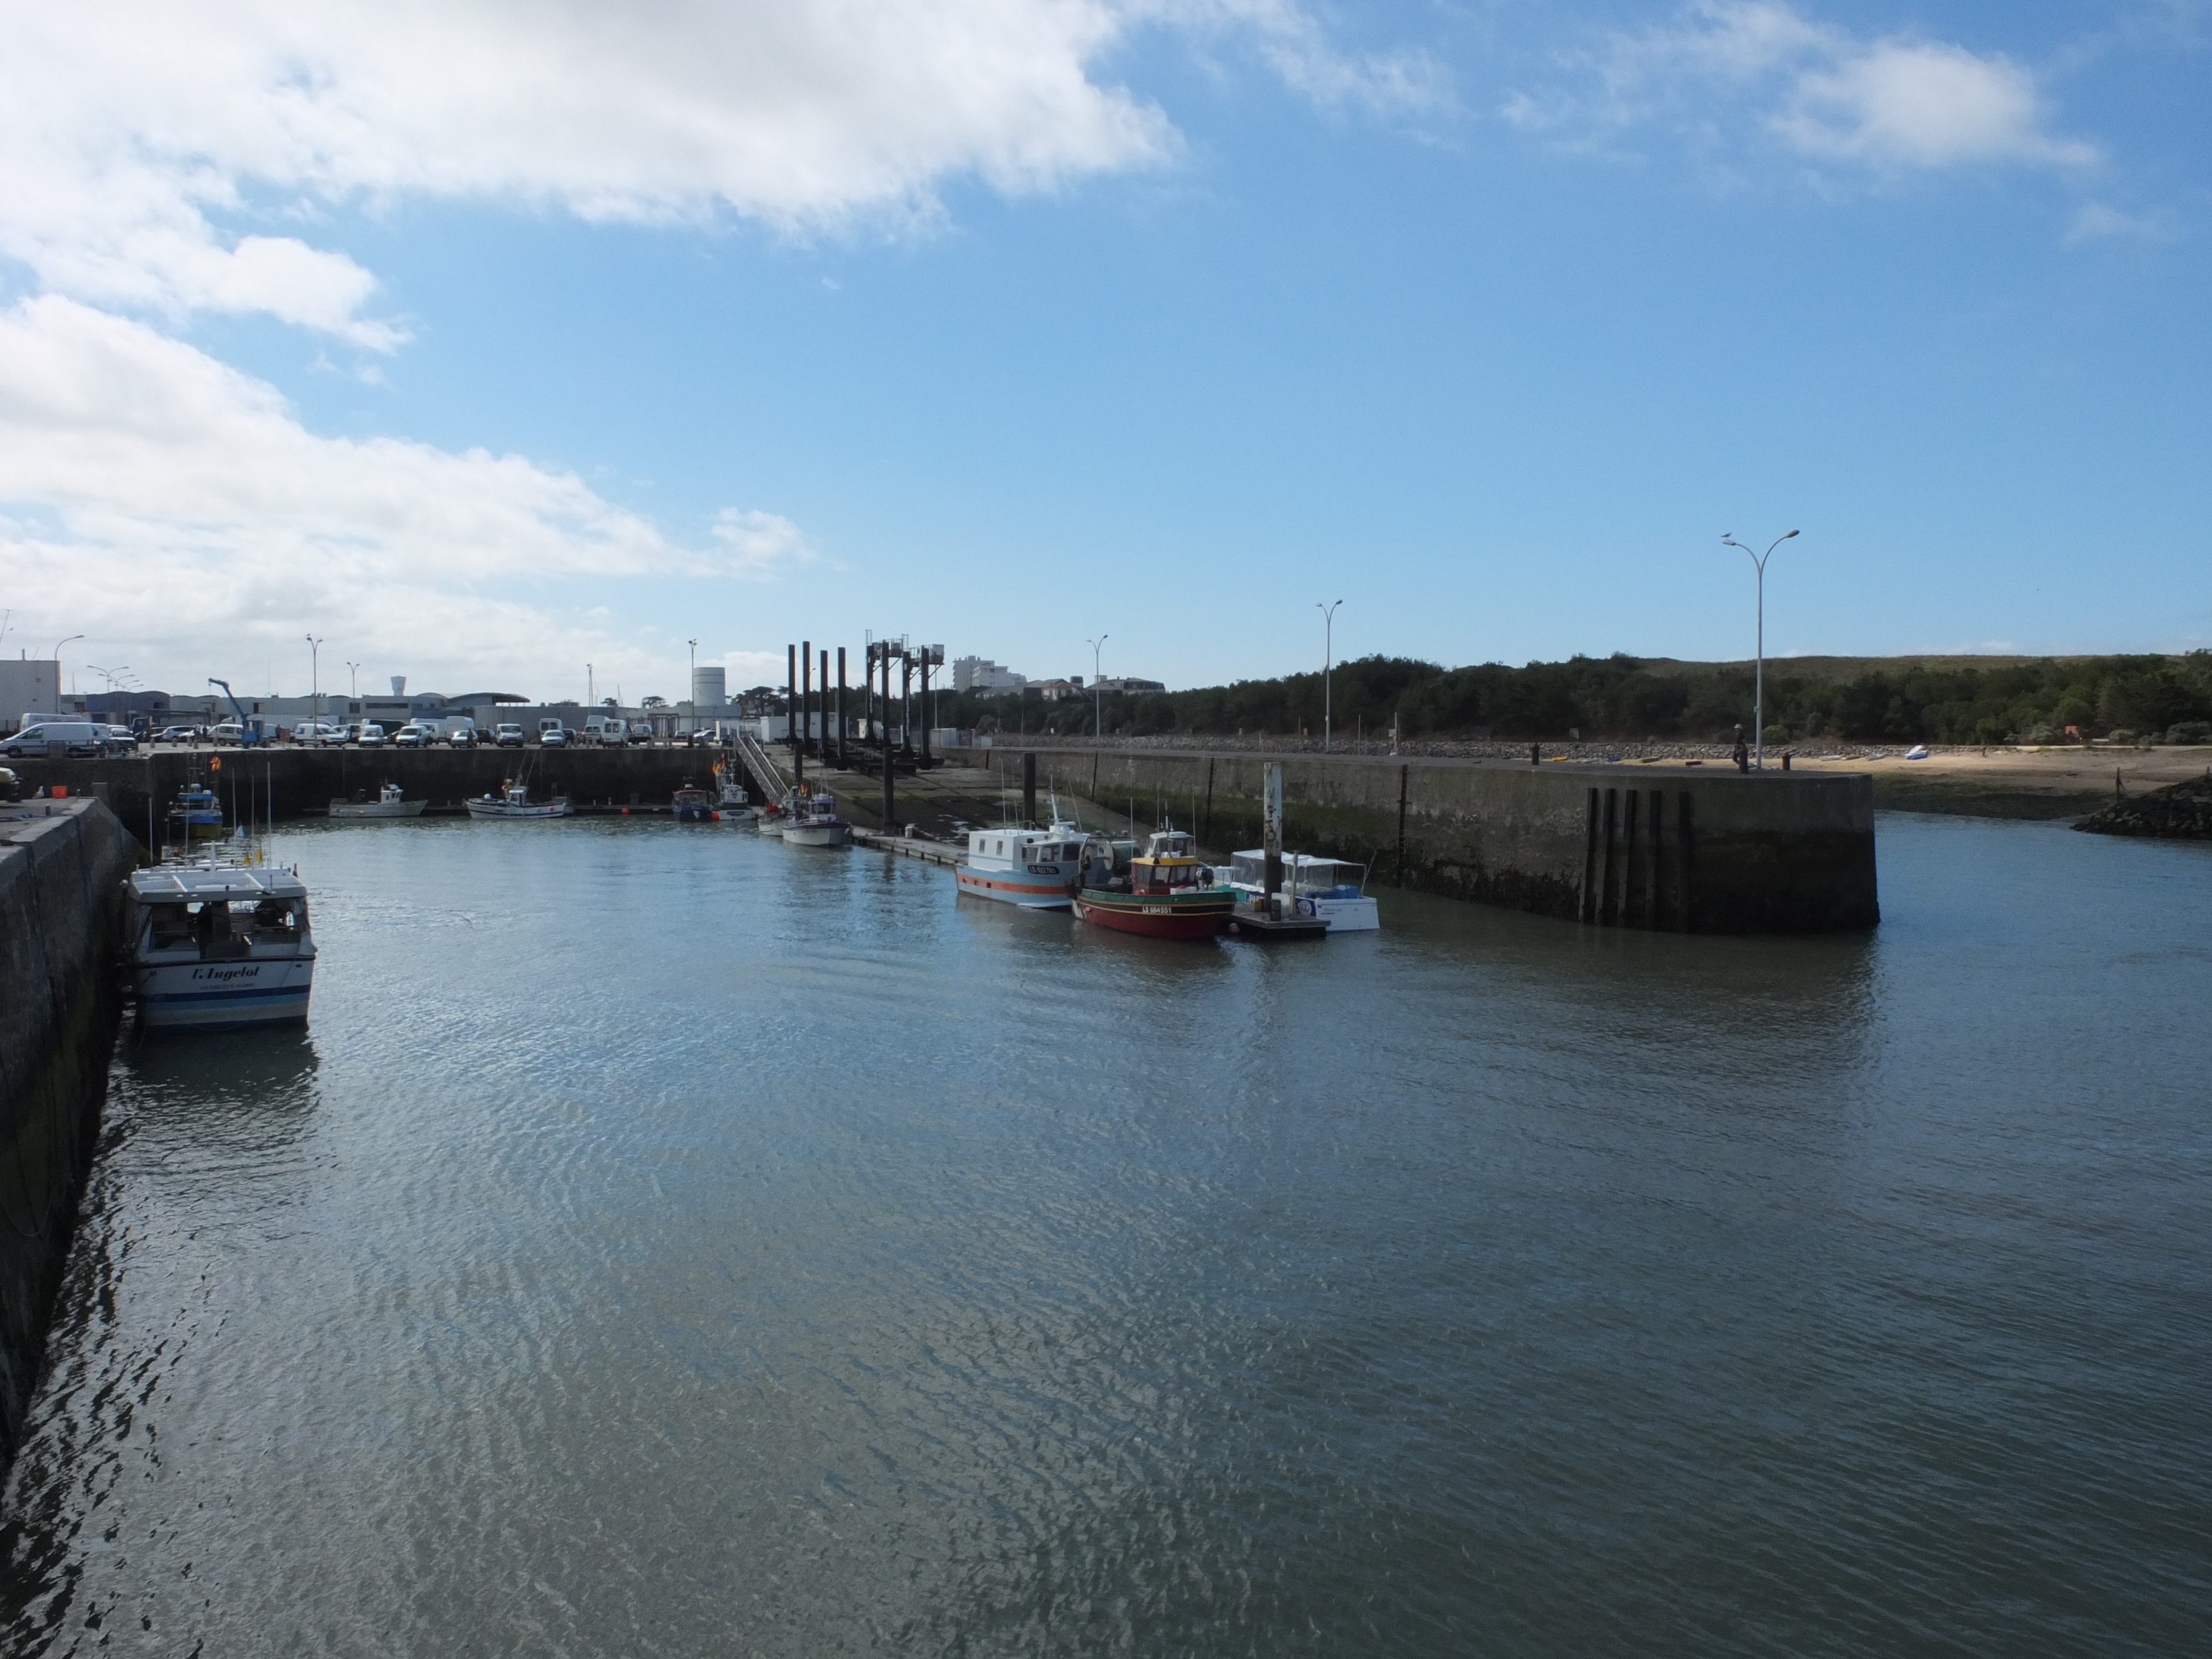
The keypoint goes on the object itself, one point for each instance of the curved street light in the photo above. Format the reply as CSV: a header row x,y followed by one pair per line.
x,y
1327,663
314,676
1758,671
353,680
1096,646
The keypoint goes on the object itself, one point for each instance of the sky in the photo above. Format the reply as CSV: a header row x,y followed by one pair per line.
x,y
533,346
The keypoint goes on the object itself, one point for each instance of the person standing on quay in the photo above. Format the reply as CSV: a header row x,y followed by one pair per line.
x,y
1743,752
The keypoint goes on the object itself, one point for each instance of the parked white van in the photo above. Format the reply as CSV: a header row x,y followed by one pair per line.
x,y
50,737
607,729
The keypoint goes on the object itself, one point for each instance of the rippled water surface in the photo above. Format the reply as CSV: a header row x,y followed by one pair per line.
x,y
665,1241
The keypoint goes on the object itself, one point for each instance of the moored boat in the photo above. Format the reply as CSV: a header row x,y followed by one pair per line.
x,y
731,804
1035,869
813,821
219,946
197,815
390,803
1327,889
693,806
512,801
1168,893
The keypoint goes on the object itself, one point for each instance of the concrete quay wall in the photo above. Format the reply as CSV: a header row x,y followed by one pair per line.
x,y
1672,849
62,867
299,781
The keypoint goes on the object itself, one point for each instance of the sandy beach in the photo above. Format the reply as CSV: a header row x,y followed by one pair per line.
x,y
2019,782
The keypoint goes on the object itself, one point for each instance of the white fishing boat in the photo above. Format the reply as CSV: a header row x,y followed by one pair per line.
x,y
813,821
390,803
1035,869
217,946
731,804
512,801
1329,889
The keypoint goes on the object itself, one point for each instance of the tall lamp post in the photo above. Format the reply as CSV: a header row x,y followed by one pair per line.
x,y
1758,670
1327,664
315,677
353,681
58,644
1098,728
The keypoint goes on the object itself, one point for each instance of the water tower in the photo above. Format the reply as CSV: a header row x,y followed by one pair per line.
x,y
709,689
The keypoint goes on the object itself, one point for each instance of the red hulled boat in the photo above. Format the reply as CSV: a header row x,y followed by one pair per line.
x,y
1167,894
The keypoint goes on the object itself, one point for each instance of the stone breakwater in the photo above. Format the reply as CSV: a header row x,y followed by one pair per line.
x,y
1717,852
62,867
2180,811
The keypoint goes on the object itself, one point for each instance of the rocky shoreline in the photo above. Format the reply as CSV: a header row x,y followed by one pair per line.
x,y
2180,811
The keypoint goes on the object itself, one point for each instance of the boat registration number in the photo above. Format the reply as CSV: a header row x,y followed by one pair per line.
x,y
1159,909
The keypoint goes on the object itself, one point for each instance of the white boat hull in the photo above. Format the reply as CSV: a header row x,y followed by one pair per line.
x,y
211,996
506,809
377,809
814,834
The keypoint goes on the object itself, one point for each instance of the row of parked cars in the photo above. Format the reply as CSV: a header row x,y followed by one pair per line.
x,y
83,740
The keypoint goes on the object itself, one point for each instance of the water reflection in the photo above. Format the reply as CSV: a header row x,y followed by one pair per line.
x,y
676,1243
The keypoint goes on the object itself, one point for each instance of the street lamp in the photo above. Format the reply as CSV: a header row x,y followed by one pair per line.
x,y
58,644
315,676
1328,662
353,680
1758,671
1097,720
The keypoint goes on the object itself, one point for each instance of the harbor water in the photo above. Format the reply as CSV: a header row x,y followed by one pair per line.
x,y
665,1241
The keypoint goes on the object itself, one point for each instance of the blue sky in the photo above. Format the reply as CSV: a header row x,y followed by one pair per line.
x,y
1167,320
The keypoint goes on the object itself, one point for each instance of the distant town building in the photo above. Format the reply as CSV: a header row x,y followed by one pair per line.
x,y
1128,685
980,674
1053,690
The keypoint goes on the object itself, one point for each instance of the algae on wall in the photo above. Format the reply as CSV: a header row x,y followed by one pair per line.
x,y
62,865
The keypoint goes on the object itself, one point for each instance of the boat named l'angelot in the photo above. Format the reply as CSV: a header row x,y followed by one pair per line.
x,y
219,944
1035,869
1168,893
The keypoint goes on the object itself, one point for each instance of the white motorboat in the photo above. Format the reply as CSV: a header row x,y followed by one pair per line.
x,y
217,946
512,801
813,821
731,804
390,803
1035,869
1329,889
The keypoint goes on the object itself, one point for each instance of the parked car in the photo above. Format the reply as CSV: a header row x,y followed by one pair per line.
x,y
554,737
121,740
462,737
79,737
510,736
414,735
368,734
309,732
227,732
178,734
11,787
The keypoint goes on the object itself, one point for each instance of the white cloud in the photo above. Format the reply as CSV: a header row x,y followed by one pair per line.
x,y
1406,82
2101,221
175,507
1892,103
135,136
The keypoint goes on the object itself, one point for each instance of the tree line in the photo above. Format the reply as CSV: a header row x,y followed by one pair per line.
x,y
2164,698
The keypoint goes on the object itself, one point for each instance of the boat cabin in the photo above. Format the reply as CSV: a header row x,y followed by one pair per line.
x,y
1168,864
217,914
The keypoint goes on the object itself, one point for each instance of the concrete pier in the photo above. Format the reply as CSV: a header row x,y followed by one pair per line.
x,y
62,865
1660,847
